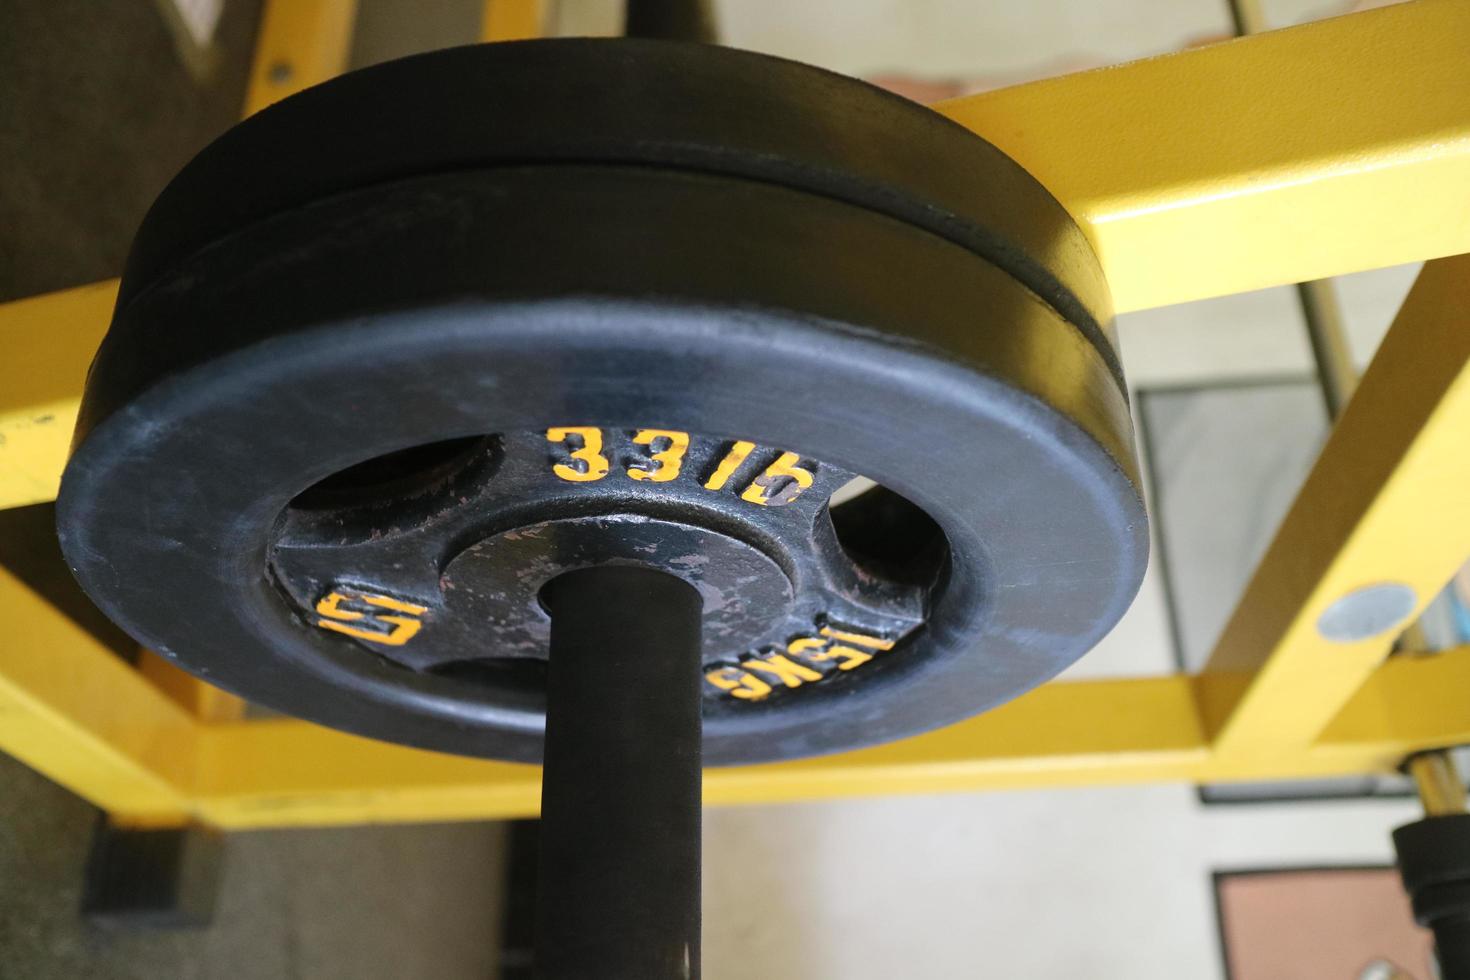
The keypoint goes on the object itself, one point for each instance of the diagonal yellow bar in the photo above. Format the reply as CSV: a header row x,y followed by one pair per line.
x,y
1386,502
73,711
1278,158
512,20
46,343
300,43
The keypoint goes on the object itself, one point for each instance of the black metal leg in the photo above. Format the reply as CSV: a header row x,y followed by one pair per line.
x,y
1434,860
620,803
152,879
673,20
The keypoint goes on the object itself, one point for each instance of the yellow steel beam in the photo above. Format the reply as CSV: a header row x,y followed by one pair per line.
x,y
283,773
289,772
300,43
1283,157
200,698
72,710
1416,701
512,20
1385,503
46,343
1278,158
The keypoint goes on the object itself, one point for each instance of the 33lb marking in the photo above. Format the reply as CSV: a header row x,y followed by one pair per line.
x,y
778,484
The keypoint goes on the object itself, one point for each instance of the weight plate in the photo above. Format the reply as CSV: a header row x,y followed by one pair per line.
x,y
328,452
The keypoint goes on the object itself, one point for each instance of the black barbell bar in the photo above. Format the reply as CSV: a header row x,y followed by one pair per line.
x,y
618,886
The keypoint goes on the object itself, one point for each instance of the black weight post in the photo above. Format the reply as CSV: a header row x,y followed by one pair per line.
x,y
671,20
1434,860
618,888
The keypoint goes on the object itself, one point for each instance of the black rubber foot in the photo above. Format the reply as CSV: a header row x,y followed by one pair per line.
x,y
152,879
1434,862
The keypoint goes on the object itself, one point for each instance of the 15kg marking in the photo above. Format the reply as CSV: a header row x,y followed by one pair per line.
x,y
806,660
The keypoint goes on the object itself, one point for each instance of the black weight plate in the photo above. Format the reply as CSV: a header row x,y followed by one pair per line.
x,y
321,333
691,107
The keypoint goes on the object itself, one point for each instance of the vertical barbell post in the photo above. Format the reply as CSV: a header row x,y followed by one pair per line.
x,y
618,890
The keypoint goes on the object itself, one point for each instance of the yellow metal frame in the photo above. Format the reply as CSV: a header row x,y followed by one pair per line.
x,y
1326,149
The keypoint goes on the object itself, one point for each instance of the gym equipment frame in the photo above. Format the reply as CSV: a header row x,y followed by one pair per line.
x,y
1296,155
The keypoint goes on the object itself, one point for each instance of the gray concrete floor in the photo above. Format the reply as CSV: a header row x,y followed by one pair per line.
x,y
98,112
360,903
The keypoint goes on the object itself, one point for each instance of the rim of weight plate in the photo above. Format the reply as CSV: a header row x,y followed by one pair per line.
x,y
167,509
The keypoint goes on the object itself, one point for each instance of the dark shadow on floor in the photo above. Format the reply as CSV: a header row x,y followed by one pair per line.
x,y
397,903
